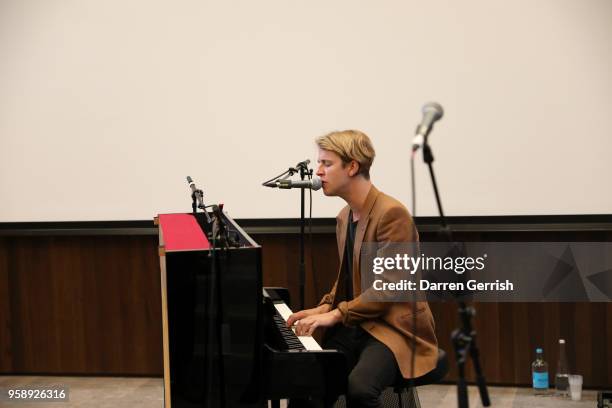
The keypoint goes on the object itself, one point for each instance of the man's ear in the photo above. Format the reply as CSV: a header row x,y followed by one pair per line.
x,y
353,168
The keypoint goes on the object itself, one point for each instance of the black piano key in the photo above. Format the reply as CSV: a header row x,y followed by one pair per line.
x,y
289,337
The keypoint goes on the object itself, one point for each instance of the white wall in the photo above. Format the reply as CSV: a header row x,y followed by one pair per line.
x,y
106,106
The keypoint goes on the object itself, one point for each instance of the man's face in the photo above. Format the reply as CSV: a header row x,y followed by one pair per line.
x,y
334,175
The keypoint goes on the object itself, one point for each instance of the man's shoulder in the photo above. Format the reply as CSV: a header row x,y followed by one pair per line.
x,y
392,221
387,204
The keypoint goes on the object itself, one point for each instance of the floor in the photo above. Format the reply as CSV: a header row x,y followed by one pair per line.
x,y
110,392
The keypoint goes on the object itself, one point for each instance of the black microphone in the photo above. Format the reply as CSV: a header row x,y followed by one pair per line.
x,y
313,184
432,112
303,164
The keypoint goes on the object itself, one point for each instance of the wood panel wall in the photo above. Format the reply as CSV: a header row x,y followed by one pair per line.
x,y
90,305
80,305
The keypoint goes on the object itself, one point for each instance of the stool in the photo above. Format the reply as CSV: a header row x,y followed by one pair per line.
x,y
432,377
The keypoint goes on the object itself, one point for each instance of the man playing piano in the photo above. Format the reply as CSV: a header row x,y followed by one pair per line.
x,y
376,337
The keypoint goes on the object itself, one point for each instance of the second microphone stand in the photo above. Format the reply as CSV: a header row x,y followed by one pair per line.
x,y
464,338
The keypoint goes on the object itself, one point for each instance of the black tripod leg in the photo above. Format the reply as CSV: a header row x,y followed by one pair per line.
x,y
480,379
462,393
460,344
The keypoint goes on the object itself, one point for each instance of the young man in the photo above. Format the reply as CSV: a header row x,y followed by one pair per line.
x,y
376,337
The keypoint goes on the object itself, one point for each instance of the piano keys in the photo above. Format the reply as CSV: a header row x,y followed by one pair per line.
x,y
296,366
280,319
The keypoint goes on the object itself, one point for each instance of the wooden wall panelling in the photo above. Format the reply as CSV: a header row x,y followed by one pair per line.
x,y
508,333
6,358
91,305
280,258
84,305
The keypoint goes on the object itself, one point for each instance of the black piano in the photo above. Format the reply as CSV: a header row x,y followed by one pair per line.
x,y
225,343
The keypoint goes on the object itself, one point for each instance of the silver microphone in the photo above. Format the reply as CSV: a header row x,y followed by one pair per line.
x,y
314,184
196,192
432,112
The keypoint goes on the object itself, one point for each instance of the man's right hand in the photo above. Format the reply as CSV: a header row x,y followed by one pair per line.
x,y
308,312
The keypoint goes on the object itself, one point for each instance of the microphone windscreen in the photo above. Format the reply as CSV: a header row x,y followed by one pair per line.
x,y
270,184
316,183
435,108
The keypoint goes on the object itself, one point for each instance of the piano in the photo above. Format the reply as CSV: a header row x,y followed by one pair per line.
x,y
296,366
225,340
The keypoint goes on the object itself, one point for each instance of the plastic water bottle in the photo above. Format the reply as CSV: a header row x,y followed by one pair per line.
x,y
539,374
562,376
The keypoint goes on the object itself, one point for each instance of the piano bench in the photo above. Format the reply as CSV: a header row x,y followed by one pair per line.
x,y
432,377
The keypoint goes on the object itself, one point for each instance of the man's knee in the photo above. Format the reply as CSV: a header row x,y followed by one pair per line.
x,y
361,389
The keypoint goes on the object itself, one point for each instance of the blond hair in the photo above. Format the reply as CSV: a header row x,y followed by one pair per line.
x,y
350,145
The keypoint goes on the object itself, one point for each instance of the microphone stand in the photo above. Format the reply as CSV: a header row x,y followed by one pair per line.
x,y
302,168
214,300
304,171
464,338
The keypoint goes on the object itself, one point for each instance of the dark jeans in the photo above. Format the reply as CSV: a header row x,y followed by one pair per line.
x,y
371,365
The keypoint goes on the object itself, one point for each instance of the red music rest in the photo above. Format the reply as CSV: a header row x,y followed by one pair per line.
x,y
181,232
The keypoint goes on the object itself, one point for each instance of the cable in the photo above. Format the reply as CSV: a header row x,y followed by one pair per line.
x,y
312,262
414,335
414,302
277,177
413,184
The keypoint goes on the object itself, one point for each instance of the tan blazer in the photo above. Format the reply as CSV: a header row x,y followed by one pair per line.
x,y
385,219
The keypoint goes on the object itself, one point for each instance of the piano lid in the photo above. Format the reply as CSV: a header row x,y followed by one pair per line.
x,y
181,232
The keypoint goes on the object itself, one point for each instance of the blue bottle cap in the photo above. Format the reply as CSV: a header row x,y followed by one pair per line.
x,y
538,350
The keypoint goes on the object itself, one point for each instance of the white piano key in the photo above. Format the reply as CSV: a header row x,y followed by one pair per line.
x,y
307,341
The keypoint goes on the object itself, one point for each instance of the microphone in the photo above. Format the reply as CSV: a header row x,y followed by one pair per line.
x,y
195,192
313,184
196,195
303,164
432,112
